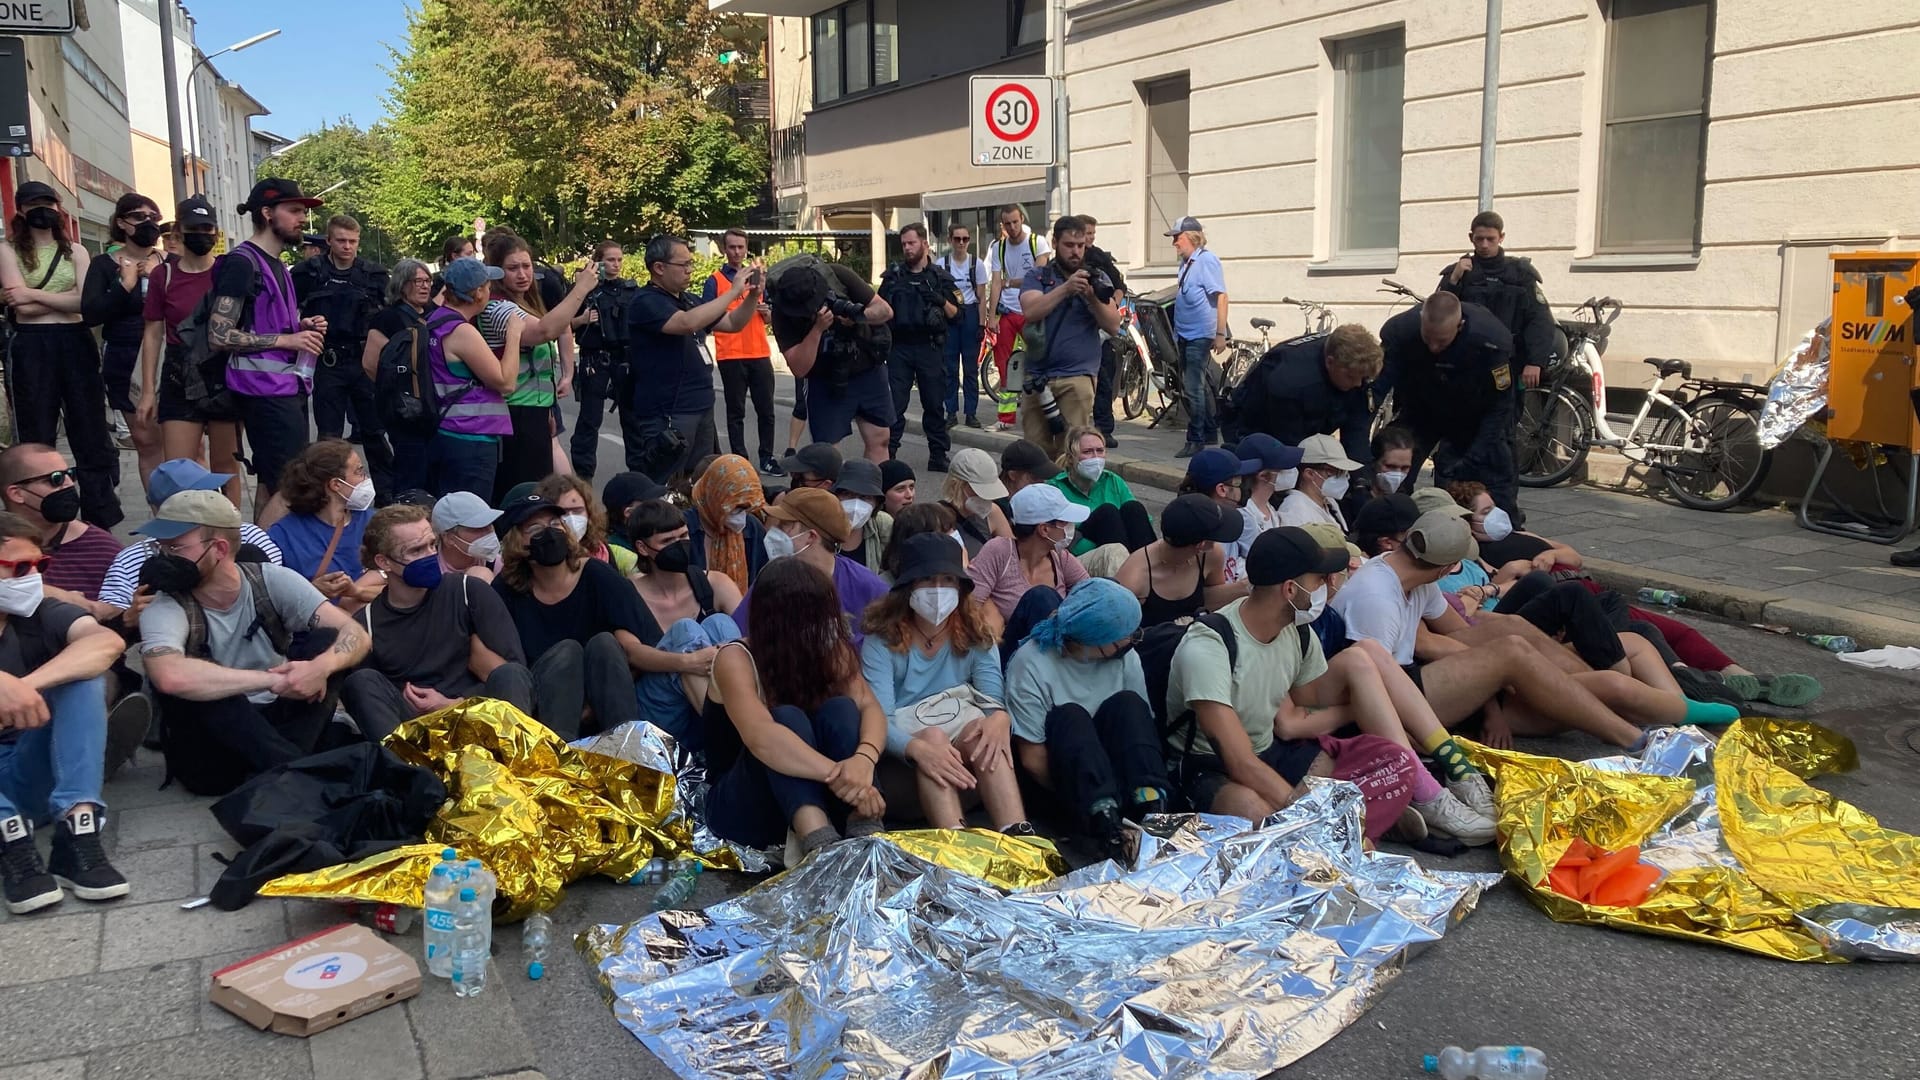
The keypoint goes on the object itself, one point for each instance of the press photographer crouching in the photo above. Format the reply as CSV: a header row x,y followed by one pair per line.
x,y
831,329
1067,306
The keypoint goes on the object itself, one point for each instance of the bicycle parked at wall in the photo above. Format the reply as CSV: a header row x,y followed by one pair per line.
x,y
1703,436
1152,366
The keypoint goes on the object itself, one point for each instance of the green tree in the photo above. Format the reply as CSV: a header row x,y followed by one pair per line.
x,y
341,157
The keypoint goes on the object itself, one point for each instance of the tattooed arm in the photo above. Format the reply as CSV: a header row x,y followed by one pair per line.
x,y
225,335
307,679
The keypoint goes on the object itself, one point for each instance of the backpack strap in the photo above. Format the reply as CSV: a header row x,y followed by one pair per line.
x,y
702,589
266,616
196,643
1217,623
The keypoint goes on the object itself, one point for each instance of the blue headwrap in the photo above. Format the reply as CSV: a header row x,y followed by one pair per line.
x,y
1099,611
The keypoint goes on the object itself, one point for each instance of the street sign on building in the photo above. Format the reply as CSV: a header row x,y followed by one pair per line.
x,y
1011,119
36,17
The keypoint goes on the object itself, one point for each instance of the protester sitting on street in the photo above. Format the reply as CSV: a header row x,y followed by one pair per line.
x,y
1115,517
581,626
1259,512
917,518
1222,475
53,663
436,639
37,485
972,485
860,495
931,661
329,498
897,485
1184,572
810,525
1034,558
468,543
696,606
1023,463
1328,625
1082,725
815,465
1231,750
239,693
1322,483
1500,543
792,730
584,517
1392,460
122,582
623,492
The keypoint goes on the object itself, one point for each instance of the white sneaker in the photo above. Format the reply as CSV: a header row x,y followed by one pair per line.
x,y
1448,816
1477,793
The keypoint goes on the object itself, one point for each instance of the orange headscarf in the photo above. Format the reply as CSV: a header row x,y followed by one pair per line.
x,y
730,484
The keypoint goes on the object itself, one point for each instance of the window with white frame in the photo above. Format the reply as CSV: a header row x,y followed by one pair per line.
x,y
1166,180
1369,99
856,47
1654,135
1029,22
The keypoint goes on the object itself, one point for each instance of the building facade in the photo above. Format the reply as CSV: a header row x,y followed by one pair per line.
x,y
1696,160
76,109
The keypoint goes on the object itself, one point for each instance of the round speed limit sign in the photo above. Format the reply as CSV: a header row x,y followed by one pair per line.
x,y
1012,121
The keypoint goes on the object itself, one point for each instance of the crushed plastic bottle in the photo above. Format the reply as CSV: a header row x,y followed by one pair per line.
x,y
655,872
1833,643
1663,597
686,874
1488,1063
535,935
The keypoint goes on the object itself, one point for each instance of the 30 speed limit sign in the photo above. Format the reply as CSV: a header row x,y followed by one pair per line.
x,y
1012,120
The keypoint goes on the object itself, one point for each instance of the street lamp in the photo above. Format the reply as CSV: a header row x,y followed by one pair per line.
x,y
195,70
284,149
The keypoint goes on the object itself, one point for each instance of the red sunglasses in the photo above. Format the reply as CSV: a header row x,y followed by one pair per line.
x,y
13,568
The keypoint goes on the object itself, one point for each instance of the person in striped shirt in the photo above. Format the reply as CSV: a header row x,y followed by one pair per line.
x,y
180,474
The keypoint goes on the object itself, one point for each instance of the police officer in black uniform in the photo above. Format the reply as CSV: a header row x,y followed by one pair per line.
x,y
347,290
924,299
600,331
1315,384
1450,366
1508,286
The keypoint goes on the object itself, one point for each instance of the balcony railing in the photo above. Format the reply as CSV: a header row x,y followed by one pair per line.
x,y
790,157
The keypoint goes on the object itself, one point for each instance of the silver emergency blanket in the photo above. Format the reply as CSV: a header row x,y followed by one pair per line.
x,y
1229,951
646,745
1865,932
1799,390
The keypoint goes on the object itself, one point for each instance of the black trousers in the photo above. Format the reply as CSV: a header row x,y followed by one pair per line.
x,y
596,382
922,363
340,387
376,704
1490,462
738,379
1103,384
1558,607
213,747
527,454
1100,759
1126,524
55,370
573,680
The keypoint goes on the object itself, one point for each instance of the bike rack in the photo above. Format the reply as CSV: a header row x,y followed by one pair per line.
x,y
1873,534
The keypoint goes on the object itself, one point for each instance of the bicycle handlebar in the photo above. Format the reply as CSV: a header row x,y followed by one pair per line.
x,y
1393,286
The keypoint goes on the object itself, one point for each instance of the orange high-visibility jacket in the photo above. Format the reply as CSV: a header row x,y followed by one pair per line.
x,y
747,343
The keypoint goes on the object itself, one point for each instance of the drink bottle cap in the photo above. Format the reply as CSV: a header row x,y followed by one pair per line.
x,y
536,969
449,854
1430,1063
466,894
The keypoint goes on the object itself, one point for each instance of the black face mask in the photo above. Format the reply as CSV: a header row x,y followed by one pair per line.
x,y
674,558
146,234
198,243
43,217
62,506
548,547
165,573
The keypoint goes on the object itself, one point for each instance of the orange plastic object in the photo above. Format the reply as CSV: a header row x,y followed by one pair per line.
x,y
1626,887
1597,871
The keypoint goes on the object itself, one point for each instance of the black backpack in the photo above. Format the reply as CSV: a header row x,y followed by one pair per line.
x,y
408,399
1156,651
205,370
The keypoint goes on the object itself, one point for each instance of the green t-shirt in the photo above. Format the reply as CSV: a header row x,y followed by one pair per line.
x,y
1110,490
1255,686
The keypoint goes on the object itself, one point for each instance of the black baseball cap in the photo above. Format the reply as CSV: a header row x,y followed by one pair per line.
x,y
272,191
1024,456
1286,553
798,294
1194,517
1386,515
314,239
517,509
628,488
819,461
35,191
925,555
195,210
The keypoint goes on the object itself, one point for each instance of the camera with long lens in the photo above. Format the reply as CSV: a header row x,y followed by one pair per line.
x,y
844,308
1049,407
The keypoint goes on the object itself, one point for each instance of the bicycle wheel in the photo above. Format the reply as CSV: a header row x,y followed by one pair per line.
x,y
1723,464
990,376
1133,387
1553,435
1239,362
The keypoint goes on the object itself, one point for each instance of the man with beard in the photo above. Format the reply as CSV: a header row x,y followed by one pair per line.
x,y
1508,286
256,321
1074,303
37,484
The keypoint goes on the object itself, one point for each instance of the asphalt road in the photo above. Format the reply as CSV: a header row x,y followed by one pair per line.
x,y
1602,1004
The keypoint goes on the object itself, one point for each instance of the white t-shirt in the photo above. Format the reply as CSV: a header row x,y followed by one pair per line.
x,y
971,276
1299,510
1015,263
1252,523
1378,609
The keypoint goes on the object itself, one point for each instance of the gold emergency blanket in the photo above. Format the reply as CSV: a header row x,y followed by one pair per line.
x,y
1755,858
536,811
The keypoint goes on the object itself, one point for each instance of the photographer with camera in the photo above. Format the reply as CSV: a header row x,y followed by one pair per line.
x,y
1067,306
832,329
600,330
672,369
924,298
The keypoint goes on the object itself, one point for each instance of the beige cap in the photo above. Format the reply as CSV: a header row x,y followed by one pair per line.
x,y
1440,539
1434,500
1326,450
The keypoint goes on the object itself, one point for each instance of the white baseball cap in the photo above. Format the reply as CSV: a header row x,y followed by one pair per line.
x,y
1037,504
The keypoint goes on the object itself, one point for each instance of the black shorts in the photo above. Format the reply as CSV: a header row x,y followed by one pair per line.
x,y
276,432
172,404
116,369
799,399
1413,672
867,396
1201,776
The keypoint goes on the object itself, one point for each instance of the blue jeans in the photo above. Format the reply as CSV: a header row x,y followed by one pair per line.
x,y
55,767
1195,358
662,701
462,465
963,362
753,803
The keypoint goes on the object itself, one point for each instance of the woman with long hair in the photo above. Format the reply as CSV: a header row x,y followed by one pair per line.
x,y
113,298
792,729
971,486
1115,516
724,524
53,367
931,660
912,520
518,317
205,430
409,302
329,498
585,518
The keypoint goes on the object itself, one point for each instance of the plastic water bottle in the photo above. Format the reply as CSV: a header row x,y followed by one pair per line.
x,y
1663,597
1489,1063
535,935
1834,643
679,890
438,899
656,872
471,926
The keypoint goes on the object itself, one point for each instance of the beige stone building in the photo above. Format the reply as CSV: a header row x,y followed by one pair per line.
x,y
1697,160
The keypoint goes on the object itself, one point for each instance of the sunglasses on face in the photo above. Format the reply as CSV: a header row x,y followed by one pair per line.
x,y
961,239
13,568
56,479
141,217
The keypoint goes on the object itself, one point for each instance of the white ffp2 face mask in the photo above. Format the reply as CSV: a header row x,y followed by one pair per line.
x,y
1498,526
1090,468
1389,482
576,524
484,549
737,521
935,603
22,596
1285,479
1314,609
1335,487
361,497
859,511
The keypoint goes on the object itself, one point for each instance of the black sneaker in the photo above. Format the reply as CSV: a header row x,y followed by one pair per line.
x,y
1020,829
127,724
80,863
973,421
1111,441
771,467
938,464
28,885
1909,558
1190,449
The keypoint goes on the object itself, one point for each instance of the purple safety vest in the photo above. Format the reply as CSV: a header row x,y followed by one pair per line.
x,y
273,372
474,410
